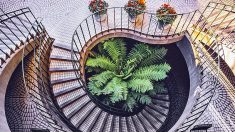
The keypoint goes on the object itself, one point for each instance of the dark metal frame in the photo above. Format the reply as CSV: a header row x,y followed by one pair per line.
x,y
83,34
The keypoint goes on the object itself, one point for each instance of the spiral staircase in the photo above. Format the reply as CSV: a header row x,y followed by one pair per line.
x,y
46,89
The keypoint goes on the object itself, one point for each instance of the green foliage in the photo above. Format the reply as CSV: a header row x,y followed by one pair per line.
x,y
140,85
101,62
156,56
127,77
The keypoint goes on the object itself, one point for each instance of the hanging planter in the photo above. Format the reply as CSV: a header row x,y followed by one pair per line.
x,y
135,8
166,15
99,8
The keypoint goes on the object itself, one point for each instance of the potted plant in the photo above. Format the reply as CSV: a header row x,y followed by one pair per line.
x,y
99,8
135,8
126,77
166,15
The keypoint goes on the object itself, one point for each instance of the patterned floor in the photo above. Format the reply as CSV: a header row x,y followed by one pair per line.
x,y
61,17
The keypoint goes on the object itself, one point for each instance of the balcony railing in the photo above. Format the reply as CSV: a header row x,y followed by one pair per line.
x,y
208,34
20,27
207,28
146,24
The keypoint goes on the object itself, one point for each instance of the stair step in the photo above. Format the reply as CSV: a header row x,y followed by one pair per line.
x,y
130,125
138,124
62,69
67,99
64,47
108,124
59,81
146,123
82,102
161,118
64,86
116,124
91,120
62,54
123,124
164,104
156,122
62,58
82,113
61,65
61,93
100,122
86,116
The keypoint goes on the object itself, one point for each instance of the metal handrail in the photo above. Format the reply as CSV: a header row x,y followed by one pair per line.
x,y
120,20
80,39
208,64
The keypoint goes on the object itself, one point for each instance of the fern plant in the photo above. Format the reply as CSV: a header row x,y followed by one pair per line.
x,y
128,77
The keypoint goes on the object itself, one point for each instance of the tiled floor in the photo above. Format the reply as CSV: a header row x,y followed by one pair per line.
x,y
61,17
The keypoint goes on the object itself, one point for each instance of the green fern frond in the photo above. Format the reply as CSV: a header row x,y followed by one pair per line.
x,y
94,89
162,67
130,103
145,99
116,49
142,98
101,62
117,89
156,56
154,72
120,92
138,54
159,87
101,79
140,85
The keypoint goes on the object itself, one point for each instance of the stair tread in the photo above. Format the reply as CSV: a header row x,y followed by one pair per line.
x,y
138,124
71,99
82,113
64,69
145,122
156,114
80,103
59,57
67,90
100,122
91,120
156,122
131,125
58,81
108,124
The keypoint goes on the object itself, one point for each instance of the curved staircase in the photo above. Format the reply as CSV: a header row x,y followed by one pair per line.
x,y
60,101
86,115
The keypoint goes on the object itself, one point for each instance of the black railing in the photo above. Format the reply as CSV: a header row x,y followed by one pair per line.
x,y
15,26
20,29
117,19
208,35
37,79
207,28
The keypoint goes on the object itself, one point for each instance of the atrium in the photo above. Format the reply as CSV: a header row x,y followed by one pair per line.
x,y
117,66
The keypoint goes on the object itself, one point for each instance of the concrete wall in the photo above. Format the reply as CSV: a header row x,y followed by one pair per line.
x,y
186,49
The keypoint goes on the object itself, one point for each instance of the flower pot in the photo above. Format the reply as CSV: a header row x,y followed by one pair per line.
x,y
162,25
131,18
101,17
